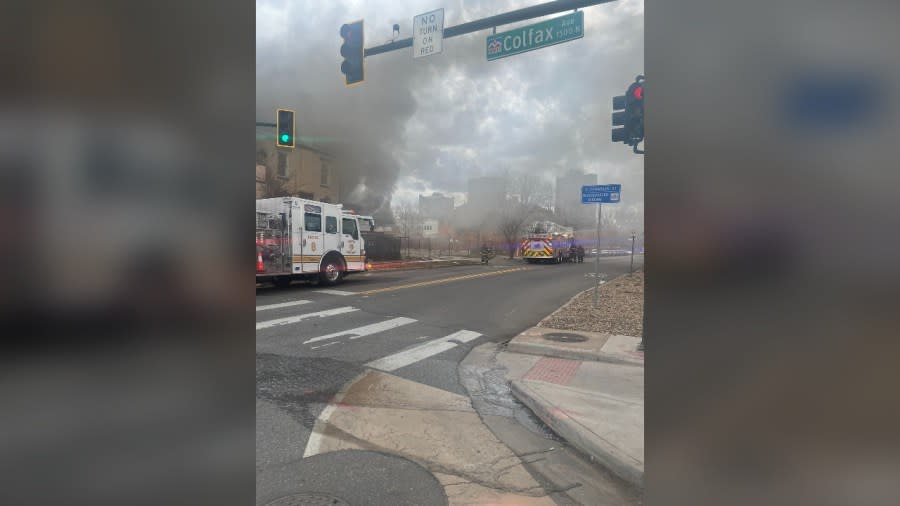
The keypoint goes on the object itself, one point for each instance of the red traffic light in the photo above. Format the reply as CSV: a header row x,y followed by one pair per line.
x,y
638,92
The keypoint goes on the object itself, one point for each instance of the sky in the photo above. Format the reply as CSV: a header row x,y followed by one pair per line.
x,y
428,124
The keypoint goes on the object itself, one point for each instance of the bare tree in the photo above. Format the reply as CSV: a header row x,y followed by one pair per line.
x,y
407,218
527,196
532,190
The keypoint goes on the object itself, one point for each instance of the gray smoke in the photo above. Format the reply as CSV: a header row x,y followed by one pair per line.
x,y
432,123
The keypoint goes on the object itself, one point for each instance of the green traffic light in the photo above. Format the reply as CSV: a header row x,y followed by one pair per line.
x,y
285,138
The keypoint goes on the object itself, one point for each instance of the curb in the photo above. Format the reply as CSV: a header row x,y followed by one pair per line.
x,y
608,455
568,353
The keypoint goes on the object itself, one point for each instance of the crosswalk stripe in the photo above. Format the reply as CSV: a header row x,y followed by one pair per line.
x,y
422,351
463,336
283,304
365,330
300,317
334,292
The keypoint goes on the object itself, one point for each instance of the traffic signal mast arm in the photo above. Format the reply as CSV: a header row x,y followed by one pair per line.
x,y
535,11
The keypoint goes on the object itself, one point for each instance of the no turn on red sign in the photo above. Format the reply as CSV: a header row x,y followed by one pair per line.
x,y
428,33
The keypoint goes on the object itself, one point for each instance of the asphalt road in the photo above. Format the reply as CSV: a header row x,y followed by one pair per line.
x,y
311,341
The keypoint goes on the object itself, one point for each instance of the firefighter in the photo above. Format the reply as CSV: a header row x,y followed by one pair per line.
x,y
572,253
486,254
580,253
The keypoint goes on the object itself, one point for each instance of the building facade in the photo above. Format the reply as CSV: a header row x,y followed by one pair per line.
x,y
437,205
301,172
431,227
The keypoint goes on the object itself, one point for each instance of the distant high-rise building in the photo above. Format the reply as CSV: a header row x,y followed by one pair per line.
x,y
486,193
567,202
437,205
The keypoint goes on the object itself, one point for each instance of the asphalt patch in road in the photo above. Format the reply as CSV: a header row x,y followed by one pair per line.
x,y
301,386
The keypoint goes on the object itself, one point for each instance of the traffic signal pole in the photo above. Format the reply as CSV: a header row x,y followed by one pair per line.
x,y
597,259
535,11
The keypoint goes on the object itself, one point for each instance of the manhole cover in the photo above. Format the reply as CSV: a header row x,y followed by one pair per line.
x,y
563,337
309,500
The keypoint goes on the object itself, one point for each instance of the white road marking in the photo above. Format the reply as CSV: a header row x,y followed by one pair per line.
x,y
283,304
314,443
323,345
366,330
334,292
463,336
422,351
300,317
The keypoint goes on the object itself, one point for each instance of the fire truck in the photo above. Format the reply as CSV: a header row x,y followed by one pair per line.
x,y
548,242
301,239
366,223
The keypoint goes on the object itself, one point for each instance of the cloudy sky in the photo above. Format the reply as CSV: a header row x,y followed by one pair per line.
x,y
429,124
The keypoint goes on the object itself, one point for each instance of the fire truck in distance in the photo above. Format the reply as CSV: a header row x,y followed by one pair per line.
x,y
301,239
548,242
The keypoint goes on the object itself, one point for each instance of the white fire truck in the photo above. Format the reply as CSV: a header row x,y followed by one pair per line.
x,y
548,242
305,239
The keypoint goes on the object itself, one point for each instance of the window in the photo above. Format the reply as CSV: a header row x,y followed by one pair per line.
x,y
324,175
313,222
282,165
330,225
350,228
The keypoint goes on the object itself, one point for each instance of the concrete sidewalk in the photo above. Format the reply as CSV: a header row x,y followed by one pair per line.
x,y
590,392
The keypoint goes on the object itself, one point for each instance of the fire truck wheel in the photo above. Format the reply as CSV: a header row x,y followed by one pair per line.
x,y
332,271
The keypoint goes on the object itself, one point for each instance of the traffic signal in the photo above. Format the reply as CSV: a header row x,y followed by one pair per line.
x,y
619,118
353,52
284,129
628,113
634,109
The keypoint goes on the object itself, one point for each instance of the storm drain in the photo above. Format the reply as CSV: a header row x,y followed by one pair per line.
x,y
309,500
564,337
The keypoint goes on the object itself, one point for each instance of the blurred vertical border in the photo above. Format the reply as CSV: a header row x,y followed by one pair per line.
x,y
773,281
126,141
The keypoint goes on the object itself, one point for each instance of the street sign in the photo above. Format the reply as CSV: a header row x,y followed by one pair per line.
x,y
536,36
601,194
428,33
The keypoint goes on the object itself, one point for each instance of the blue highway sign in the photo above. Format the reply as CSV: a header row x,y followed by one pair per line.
x,y
601,194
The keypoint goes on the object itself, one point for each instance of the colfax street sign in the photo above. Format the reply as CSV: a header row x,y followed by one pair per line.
x,y
601,194
543,34
428,33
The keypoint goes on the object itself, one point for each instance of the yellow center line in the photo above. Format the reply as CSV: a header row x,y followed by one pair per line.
x,y
443,280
